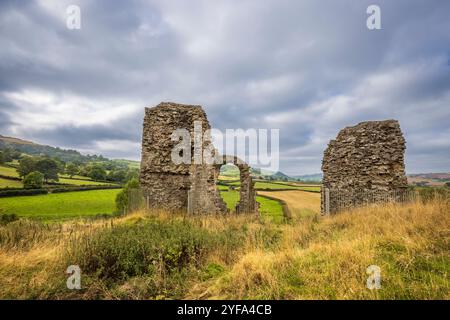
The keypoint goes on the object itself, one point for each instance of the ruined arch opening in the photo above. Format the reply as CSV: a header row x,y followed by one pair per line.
x,y
229,185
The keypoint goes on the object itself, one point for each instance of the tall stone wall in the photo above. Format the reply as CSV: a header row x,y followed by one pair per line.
x,y
184,187
364,161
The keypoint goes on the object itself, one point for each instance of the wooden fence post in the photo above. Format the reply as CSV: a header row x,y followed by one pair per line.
x,y
189,200
327,201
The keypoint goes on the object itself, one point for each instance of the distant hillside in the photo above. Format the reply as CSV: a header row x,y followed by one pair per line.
x,y
35,149
11,140
132,164
280,176
310,177
429,179
437,176
229,170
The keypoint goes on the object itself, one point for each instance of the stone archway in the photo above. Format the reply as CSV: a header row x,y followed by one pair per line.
x,y
247,194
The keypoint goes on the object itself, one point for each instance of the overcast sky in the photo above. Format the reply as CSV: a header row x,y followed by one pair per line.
x,y
309,68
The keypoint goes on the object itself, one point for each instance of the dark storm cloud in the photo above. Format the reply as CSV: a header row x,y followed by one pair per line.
x,y
308,68
82,136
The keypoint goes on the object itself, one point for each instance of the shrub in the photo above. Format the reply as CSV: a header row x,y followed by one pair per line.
x,y
122,198
33,180
212,270
6,218
97,173
151,248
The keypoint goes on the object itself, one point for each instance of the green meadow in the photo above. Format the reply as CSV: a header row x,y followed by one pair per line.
x,y
83,182
6,183
63,179
8,171
270,209
61,205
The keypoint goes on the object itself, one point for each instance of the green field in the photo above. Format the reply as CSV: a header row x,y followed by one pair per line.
x,y
7,171
6,183
61,205
268,208
82,182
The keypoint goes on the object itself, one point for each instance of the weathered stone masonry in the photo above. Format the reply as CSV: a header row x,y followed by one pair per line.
x,y
184,187
366,160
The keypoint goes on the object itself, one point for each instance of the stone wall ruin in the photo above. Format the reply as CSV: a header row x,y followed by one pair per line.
x,y
185,187
364,164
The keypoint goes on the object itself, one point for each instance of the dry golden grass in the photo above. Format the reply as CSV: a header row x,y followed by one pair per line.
x,y
328,259
34,262
299,202
311,257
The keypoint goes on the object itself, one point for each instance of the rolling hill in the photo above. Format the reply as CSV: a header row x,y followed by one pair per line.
x,y
36,149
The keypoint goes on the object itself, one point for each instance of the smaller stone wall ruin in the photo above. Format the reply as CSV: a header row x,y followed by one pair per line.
x,y
364,164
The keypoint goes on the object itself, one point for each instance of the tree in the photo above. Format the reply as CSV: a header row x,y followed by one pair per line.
x,y
71,169
15,155
85,170
60,164
448,184
26,166
7,155
48,167
97,173
117,176
2,158
122,198
33,180
132,174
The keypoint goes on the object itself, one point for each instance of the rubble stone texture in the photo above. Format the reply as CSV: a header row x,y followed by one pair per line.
x,y
185,187
364,163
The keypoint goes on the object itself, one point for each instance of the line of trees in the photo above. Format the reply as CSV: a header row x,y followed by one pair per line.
x,y
101,172
51,168
37,170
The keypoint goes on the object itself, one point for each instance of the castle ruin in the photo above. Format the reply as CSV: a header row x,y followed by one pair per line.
x,y
364,164
188,186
